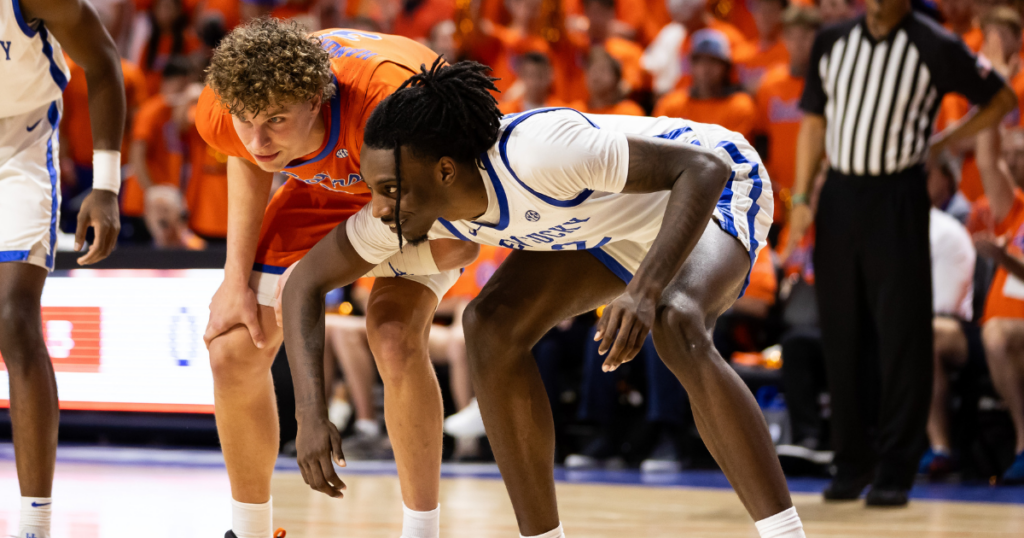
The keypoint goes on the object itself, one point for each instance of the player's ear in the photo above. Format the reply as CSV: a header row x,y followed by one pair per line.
x,y
446,171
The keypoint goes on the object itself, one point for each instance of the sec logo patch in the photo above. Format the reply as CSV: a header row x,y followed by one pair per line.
x,y
532,216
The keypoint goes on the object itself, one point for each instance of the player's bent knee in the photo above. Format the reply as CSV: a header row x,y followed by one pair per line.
x,y
681,325
234,359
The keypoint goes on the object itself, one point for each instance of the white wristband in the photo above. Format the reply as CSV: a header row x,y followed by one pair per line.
x,y
413,261
106,170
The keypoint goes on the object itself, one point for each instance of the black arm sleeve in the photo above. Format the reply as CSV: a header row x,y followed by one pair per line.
x,y
956,69
814,98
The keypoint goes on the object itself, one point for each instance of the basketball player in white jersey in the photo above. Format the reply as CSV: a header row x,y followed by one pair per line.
x,y
33,75
660,218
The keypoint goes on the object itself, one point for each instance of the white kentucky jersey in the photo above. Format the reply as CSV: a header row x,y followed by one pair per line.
x,y
33,72
554,182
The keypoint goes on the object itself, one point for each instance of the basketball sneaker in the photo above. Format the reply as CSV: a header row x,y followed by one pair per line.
x,y
466,423
1015,474
279,533
936,464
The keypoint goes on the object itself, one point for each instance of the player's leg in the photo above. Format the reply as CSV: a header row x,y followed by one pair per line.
x,y
398,318
528,295
33,389
727,416
29,211
246,408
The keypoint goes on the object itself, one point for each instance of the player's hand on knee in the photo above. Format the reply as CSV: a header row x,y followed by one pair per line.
x,y
99,212
278,290
623,328
316,442
233,305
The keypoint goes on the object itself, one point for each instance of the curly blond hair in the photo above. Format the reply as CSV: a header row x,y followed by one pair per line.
x,y
268,62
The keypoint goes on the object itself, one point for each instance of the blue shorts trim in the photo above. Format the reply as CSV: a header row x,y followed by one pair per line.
x,y
53,115
13,255
269,269
612,264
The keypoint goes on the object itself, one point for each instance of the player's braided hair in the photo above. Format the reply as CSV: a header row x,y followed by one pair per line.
x,y
447,110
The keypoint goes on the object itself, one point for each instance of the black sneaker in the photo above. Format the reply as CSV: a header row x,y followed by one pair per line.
x,y
230,534
887,496
843,489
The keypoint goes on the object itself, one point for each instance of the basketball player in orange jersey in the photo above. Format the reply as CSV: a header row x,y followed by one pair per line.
x,y
279,100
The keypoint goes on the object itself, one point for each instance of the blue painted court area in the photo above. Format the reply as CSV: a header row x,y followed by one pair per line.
x,y
966,492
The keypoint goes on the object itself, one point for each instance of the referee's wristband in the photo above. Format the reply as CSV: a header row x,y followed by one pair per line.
x,y
798,199
106,170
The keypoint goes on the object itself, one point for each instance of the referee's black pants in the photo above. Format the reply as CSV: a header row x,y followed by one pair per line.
x,y
873,279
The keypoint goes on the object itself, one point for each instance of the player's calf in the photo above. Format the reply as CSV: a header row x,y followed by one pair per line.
x,y
33,389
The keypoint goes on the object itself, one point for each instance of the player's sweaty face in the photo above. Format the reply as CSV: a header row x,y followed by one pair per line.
x,y
422,202
280,134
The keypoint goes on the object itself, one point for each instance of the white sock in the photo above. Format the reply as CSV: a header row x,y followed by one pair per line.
x,y
252,520
35,516
421,524
785,524
368,427
557,533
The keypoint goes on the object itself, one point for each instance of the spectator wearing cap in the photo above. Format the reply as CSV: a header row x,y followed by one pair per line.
x,y
778,103
605,86
694,17
869,105
711,98
769,50
536,76
1003,321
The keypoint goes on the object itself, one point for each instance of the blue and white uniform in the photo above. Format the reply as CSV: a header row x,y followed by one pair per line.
x,y
33,75
554,182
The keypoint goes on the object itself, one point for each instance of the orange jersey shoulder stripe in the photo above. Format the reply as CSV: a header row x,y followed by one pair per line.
x,y
366,67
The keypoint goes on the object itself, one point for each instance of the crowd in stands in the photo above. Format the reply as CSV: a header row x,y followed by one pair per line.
x,y
737,63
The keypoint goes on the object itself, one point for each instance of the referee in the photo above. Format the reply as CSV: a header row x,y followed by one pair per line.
x,y
870,100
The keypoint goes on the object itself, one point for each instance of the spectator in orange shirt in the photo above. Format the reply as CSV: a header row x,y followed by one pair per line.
x,y
605,85
170,36
712,98
1002,28
166,220
778,101
628,18
1003,322
536,76
157,153
769,50
601,30
960,19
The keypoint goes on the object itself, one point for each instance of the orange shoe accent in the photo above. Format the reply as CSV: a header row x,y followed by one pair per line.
x,y
279,533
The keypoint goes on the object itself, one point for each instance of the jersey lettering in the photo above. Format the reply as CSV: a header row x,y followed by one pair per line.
x,y
6,45
352,35
545,237
326,181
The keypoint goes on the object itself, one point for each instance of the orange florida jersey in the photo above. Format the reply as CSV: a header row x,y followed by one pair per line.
x,y
366,67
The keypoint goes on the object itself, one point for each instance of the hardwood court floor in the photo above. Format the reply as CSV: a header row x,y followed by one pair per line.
x,y
173,500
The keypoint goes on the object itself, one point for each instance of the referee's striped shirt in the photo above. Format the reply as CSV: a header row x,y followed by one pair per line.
x,y
880,97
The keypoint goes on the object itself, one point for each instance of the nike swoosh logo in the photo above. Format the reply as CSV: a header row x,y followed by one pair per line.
x,y
35,504
34,125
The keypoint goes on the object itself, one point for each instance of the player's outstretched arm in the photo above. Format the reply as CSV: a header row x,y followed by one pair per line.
x,y
332,263
78,29
695,176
